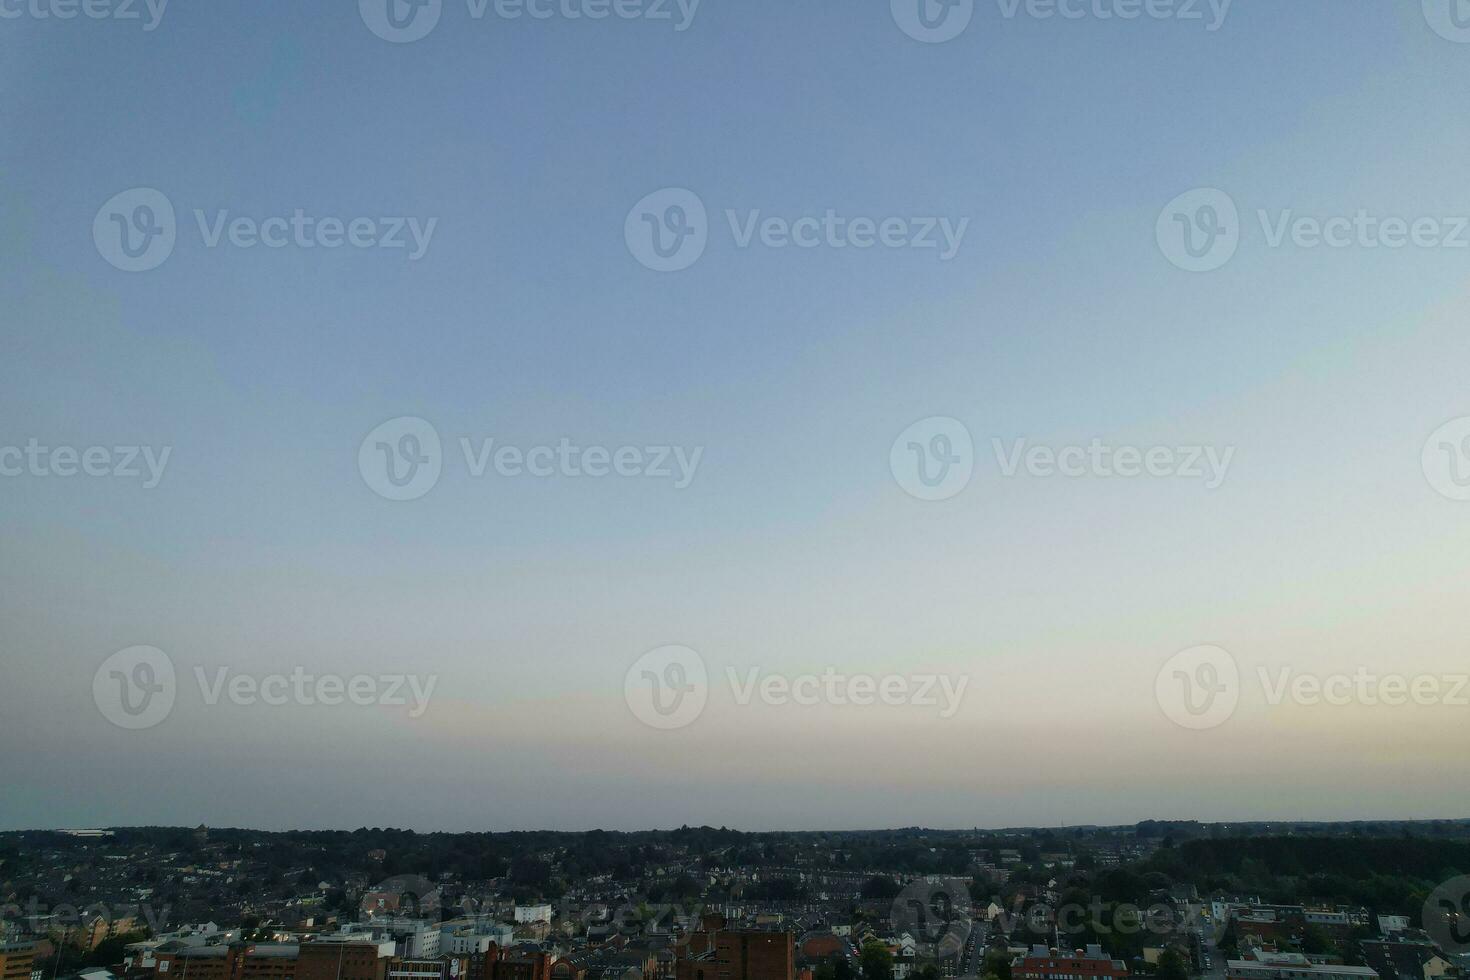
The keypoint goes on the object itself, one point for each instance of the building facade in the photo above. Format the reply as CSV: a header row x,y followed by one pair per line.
x,y
1082,964
743,955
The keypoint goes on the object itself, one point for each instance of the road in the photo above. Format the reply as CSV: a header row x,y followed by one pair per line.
x,y
1216,969
975,945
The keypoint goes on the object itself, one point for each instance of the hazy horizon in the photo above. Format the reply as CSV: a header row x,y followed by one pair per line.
x,y
744,830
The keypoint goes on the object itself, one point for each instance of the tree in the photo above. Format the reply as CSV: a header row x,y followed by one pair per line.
x,y
880,888
1172,966
997,964
835,968
1229,944
110,950
876,963
1316,940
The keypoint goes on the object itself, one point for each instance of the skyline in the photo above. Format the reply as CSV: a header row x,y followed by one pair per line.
x,y
795,339
784,830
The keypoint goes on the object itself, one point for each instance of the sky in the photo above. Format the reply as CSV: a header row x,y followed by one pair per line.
x,y
826,478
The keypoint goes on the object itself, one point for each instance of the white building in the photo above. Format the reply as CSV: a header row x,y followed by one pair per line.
x,y
468,941
1292,966
385,946
533,913
1390,924
419,940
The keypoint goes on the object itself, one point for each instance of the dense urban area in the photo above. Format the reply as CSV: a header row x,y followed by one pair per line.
x,y
1172,900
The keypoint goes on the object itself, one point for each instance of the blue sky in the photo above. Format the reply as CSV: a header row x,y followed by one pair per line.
x,y
528,320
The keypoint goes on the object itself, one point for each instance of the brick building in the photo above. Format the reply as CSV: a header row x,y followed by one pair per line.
x,y
237,961
503,964
1292,966
344,958
429,968
1267,924
740,955
17,959
1089,964
350,958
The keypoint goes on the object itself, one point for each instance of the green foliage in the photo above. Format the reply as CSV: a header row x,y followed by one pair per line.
x,y
110,950
835,968
1315,940
1353,858
880,888
876,963
1172,966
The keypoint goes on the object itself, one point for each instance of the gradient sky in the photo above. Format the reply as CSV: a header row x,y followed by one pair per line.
x,y
794,549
